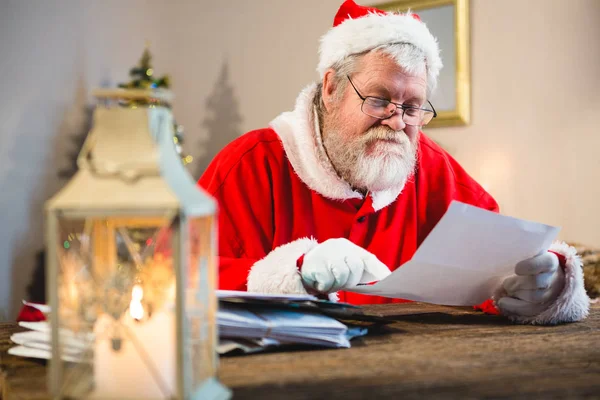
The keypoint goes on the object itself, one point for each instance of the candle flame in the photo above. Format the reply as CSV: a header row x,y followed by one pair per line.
x,y
135,307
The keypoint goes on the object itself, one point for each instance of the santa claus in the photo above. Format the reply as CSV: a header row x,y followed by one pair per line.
x,y
346,183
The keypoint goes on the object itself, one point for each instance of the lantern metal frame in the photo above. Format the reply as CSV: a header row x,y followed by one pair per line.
x,y
106,186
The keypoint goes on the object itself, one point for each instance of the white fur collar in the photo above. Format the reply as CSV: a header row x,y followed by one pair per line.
x,y
298,131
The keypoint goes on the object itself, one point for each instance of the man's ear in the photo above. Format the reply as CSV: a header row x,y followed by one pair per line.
x,y
328,89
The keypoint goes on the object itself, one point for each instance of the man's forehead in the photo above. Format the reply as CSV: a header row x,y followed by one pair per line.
x,y
398,85
380,72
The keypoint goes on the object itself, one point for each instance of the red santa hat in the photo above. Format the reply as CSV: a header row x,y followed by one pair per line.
x,y
357,29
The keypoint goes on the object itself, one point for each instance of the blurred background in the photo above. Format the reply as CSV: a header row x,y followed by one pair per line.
x,y
234,65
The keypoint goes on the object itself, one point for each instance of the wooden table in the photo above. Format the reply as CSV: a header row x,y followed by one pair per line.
x,y
429,352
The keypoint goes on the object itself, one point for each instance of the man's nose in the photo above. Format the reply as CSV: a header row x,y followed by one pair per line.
x,y
395,122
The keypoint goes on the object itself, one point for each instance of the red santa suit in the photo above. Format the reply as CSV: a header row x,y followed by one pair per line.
x,y
279,197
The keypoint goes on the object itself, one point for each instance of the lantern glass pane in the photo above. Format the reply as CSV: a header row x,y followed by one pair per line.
x,y
116,308
201,304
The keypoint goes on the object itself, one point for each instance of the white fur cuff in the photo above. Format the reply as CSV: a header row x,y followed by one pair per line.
x,y
573,304
277,272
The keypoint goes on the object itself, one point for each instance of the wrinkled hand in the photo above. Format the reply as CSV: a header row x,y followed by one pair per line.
x,y
339,263
537,283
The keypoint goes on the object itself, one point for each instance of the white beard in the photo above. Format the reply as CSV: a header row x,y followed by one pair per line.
x,y
388,166
383,172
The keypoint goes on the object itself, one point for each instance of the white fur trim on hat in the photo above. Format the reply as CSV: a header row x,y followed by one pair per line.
x,y
354,36
573,304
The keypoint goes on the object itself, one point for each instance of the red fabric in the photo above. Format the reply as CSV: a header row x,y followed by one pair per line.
x,y
488,307
562,260
263,204
299,262
349,9
30,314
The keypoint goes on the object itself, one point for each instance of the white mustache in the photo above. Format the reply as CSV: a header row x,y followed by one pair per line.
x,y
385,134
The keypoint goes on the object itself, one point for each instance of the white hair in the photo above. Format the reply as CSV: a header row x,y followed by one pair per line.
x,y
408,56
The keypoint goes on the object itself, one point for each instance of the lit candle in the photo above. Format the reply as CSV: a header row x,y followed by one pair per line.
x,y
124,371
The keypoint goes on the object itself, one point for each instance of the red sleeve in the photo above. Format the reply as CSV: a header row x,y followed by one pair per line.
x,y
239,178
488,307
30,314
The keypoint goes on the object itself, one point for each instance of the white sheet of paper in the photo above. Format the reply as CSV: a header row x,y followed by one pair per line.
x,y
464,258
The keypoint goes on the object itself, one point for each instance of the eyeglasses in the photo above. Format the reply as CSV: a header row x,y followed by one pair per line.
x,y
384,109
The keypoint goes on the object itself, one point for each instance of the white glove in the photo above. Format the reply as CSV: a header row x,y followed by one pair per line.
x,y
339,263
536,285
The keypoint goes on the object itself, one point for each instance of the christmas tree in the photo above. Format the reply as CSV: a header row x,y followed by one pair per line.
x,y
223,124
77,141
142,77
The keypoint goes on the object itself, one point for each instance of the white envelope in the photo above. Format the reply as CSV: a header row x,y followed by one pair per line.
x,y
464,258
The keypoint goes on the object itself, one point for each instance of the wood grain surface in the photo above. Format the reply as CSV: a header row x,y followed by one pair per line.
x,y
428,352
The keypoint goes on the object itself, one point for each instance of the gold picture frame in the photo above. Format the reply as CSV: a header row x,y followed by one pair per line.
x,y
455,110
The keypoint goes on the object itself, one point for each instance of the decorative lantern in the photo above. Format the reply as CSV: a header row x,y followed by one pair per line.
x,y
131,264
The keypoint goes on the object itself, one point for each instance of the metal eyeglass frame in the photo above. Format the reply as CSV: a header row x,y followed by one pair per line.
x,y
398,106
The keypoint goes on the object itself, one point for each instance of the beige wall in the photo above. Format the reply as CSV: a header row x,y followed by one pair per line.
x,y
531,61
51,54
